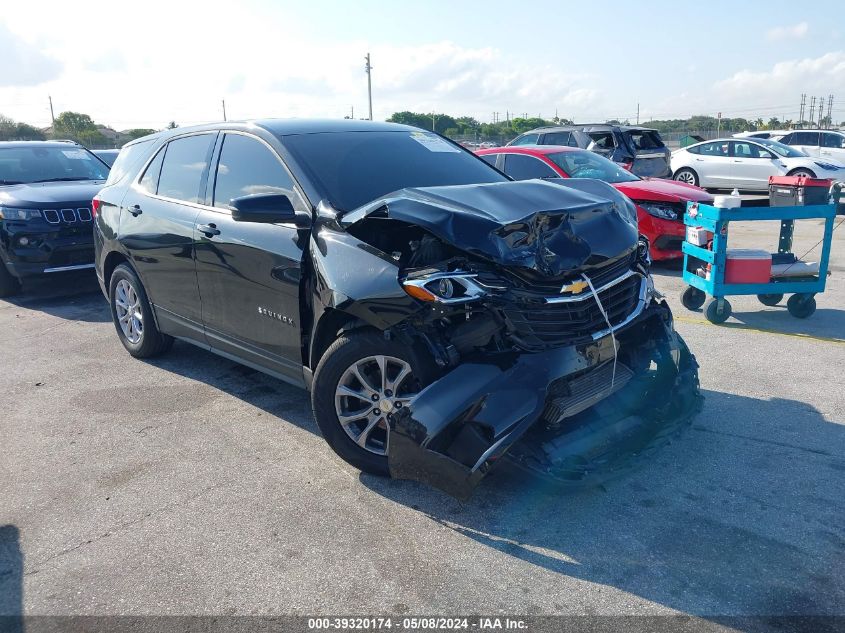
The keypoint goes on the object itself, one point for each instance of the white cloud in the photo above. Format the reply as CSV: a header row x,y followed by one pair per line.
x,y
792,32
24,63
786,80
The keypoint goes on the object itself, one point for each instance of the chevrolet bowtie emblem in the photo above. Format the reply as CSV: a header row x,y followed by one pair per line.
x,y
576,287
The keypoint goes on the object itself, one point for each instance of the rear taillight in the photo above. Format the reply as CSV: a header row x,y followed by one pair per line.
x,y
95,207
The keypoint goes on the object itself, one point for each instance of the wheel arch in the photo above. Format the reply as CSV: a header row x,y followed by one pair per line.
x,y
326,330
798,169
687,168
112,261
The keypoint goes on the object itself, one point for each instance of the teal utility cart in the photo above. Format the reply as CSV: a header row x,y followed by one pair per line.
x,y
803,287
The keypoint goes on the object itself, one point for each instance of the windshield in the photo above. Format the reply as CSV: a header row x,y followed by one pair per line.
x,y
49,164
584,164
353,168
780,148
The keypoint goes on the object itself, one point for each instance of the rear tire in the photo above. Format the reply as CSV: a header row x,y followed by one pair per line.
x,y
686,176
133,316
9,284
354,350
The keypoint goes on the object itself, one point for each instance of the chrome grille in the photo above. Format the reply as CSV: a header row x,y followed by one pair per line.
x,y
552,324
67,216
600,275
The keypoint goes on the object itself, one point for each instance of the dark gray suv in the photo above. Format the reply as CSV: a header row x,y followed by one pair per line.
x,y
638,149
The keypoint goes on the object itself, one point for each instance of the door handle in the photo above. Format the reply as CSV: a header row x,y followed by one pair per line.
x,y
209,230
135,210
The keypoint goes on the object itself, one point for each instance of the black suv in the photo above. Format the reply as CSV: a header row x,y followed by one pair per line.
x,y
438,311
638,149
45,209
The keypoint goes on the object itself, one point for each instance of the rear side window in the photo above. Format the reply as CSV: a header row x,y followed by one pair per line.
x,y
558,138
528,139
805,138
489,158
149,181
719,148
520,167
646,139
603,140
127,160
836,141
248,167
182,170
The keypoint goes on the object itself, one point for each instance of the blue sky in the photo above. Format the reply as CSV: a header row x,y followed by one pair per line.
x,y
585,60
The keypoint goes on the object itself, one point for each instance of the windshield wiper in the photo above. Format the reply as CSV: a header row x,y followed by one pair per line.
x,y
65,179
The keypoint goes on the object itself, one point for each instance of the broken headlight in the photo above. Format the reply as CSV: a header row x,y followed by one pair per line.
x,y
452,287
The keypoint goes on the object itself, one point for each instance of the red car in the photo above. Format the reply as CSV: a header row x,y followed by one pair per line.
x,y
660,203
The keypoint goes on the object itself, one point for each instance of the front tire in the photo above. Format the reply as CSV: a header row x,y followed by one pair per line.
x,y
802,171
686,176
361,380
9,284
133,316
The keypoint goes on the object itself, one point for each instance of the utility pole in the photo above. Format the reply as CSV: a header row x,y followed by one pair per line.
x,y
223,101
801,110
719,125
52,116
812,109
638,114
432,122
829,111
352,112
369,68
821,110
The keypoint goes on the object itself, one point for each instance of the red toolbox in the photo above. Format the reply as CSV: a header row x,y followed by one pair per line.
x,y
747,266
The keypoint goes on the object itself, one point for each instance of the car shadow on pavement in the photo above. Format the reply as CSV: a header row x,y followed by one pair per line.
x,y
823,323
741,515
11,580
289,403
71,296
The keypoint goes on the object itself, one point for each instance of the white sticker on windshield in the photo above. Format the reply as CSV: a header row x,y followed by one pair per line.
x,y
432,142
76,154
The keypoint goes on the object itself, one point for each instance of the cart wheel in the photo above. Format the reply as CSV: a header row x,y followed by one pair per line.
x,y
693,298
714,314
801,306
770,300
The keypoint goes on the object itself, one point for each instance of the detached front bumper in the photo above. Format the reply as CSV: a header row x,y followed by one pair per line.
x,y
460,426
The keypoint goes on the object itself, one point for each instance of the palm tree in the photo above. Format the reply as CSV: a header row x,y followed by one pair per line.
x,y
758,123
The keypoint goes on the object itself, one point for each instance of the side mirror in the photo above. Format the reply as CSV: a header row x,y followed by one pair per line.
x,y
267,208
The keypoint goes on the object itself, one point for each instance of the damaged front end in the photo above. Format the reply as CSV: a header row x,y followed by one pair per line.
x,y
535,301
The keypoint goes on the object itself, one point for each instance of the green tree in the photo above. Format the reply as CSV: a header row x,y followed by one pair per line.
x,y
774,123
27,132
172,125
75,126
7,128
139,132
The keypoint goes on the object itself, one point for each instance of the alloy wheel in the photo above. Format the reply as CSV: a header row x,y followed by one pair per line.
x,y
127,305
368,393
686,177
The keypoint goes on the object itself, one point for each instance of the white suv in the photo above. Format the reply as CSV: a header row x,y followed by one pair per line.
x,y
822,143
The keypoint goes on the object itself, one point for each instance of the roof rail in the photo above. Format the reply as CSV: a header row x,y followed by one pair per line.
x,y
66,140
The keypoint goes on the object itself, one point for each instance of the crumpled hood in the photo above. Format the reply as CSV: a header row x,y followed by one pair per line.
x,y
549,227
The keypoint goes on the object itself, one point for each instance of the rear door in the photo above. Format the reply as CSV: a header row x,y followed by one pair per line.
x,y
807,142
752,165
833,146
157,221
249,273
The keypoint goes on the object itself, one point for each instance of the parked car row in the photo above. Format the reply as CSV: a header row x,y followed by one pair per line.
x,y
747,163
442,314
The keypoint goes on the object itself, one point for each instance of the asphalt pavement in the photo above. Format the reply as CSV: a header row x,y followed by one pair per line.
x,y
192,485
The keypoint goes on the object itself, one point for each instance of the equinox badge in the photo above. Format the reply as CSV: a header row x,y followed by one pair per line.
x,y
275,315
